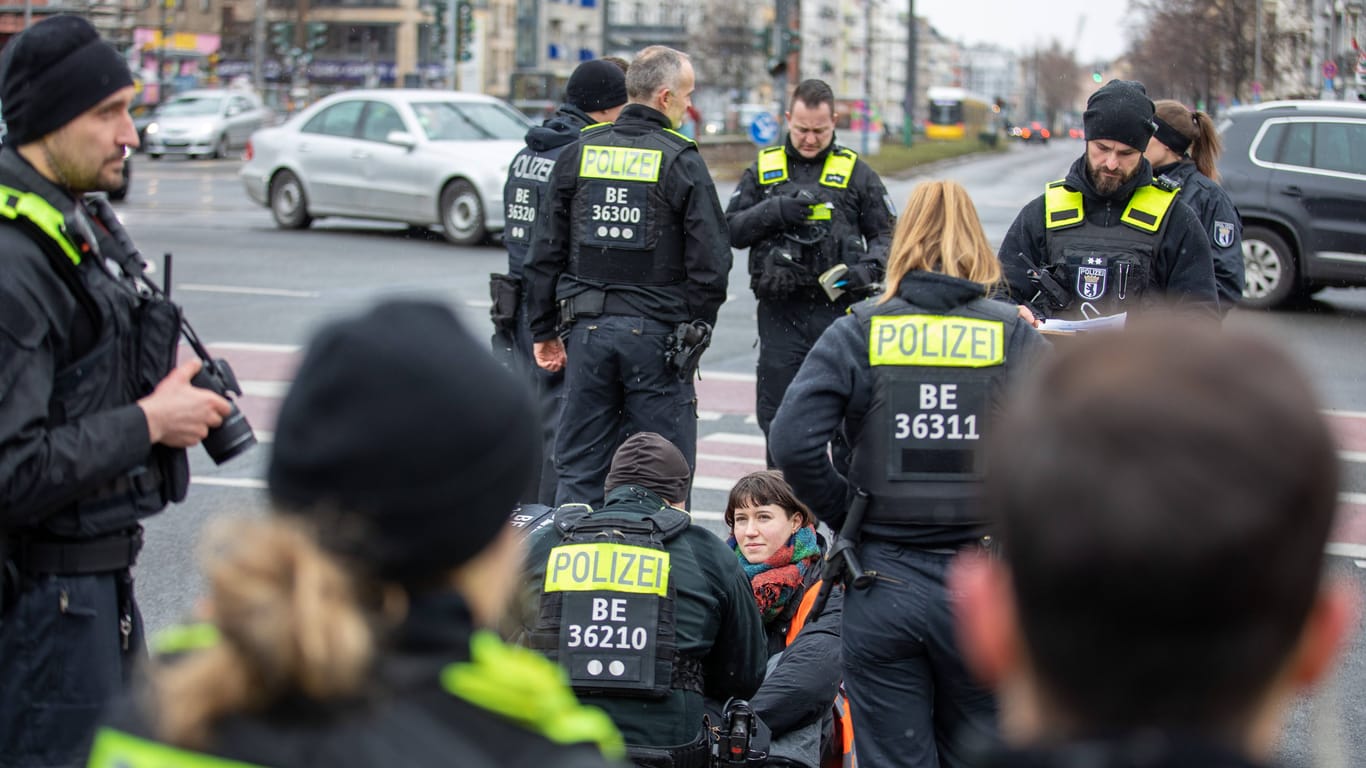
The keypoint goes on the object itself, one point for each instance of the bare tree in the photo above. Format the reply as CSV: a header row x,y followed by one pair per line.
x,y
1057,80
723,47
1200,50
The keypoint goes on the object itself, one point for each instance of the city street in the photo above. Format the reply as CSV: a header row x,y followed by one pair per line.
x,y
254,293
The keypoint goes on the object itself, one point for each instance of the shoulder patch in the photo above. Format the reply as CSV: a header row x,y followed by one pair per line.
x,y
1223,233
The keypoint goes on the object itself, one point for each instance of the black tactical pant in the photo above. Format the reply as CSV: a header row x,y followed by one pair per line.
x,y
788,328
62,659
549,389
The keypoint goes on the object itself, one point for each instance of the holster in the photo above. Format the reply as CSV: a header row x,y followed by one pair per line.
x,y
686,345
506,293
1055,294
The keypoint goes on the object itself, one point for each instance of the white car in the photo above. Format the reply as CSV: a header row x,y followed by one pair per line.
x,y
204,123
421,157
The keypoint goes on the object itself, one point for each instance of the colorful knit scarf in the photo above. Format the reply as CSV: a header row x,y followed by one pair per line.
x,y
778,578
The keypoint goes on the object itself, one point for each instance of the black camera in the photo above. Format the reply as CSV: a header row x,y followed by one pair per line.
x,y
234,435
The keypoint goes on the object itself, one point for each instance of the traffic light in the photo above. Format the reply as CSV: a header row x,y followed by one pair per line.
x,y
317,35
282,35
464,25
1097,77
792,41
438,29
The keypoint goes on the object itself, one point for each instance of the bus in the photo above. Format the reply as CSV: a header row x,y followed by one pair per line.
x,y
956,114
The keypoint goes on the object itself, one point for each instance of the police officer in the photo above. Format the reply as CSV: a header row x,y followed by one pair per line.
x,y
93,420
632,249
647,612
1107,238
1184,150
914,380
595,93
802,209
352,626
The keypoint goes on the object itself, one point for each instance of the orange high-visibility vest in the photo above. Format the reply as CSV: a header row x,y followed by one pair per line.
x,y
844,720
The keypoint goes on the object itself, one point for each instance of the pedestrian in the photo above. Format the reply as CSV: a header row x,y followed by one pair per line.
x,y
914,380
595,93
1162,597
1184,149
774,537
630,253
352,625
1108,238
650,614
92,433
803,208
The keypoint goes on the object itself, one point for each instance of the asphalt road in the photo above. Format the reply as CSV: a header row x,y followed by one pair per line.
x,y
255,294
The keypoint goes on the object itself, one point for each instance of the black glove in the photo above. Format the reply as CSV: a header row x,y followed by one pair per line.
x,y
793,211
780,278
859,277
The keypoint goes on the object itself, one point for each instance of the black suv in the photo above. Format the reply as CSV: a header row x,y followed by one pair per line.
x,y
1296,170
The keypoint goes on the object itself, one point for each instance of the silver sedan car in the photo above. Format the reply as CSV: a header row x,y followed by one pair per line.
x,y
415,156
204,123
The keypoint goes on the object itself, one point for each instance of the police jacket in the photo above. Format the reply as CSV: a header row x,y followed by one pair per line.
x,y
799,690
76,459
1221,222
529,179
444,694
939,332
703,605
860,227
643,225
1177,265
1148,747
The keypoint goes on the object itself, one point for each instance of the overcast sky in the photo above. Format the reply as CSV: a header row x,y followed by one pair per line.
x,y
1024,24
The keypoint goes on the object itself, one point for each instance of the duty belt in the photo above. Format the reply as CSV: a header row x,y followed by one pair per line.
x,y
694,755
73,558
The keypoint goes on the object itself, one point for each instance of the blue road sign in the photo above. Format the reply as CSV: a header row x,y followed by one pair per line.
x,y
763,129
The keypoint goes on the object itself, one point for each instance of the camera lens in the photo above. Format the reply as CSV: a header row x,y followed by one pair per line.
x,y
230,438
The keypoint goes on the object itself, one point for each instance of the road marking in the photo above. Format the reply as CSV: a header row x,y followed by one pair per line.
x,y
727,376
240,289
731,459
734,438
248,346
258,388
231,482
1358,457
1352,498
479,303
1348,414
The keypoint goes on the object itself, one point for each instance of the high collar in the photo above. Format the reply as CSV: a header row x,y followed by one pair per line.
x,y
634,112
938,292
15,166
797,157
1079,178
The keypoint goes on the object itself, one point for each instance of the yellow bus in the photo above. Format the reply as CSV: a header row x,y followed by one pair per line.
x,y
956,114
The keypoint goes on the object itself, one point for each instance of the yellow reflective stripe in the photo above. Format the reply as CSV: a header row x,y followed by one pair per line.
x,y
820,212
620,163
116,749
184,638
530,690
591,127
772,166
1147,208
1062,206
29,205
608,567
839,168
680,135
938,341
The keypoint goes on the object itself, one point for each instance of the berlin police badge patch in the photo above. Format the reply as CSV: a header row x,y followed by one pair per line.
x,y
1091,278
1223,233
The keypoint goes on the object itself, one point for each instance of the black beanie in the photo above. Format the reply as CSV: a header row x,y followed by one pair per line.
x,y
648,460
404,441
596,85
52,72
1120,111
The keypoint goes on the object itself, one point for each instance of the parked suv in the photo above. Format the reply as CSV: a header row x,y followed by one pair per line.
x,y
1296,170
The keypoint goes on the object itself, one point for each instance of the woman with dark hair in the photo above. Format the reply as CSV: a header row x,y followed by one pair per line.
x,y
913,380
774,536
1184,150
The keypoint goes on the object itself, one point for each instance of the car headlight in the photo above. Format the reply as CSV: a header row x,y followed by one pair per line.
x,y
152,129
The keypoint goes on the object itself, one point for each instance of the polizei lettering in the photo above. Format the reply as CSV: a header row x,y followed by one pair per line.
x,y
608,568
532,168
936,341
620,163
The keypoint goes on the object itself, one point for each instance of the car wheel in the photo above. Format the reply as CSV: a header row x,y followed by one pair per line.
x,y
1269,269
154,155
288,204
220,147
462,213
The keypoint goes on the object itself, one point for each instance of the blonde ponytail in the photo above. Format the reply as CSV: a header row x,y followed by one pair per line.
x,y
289,620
